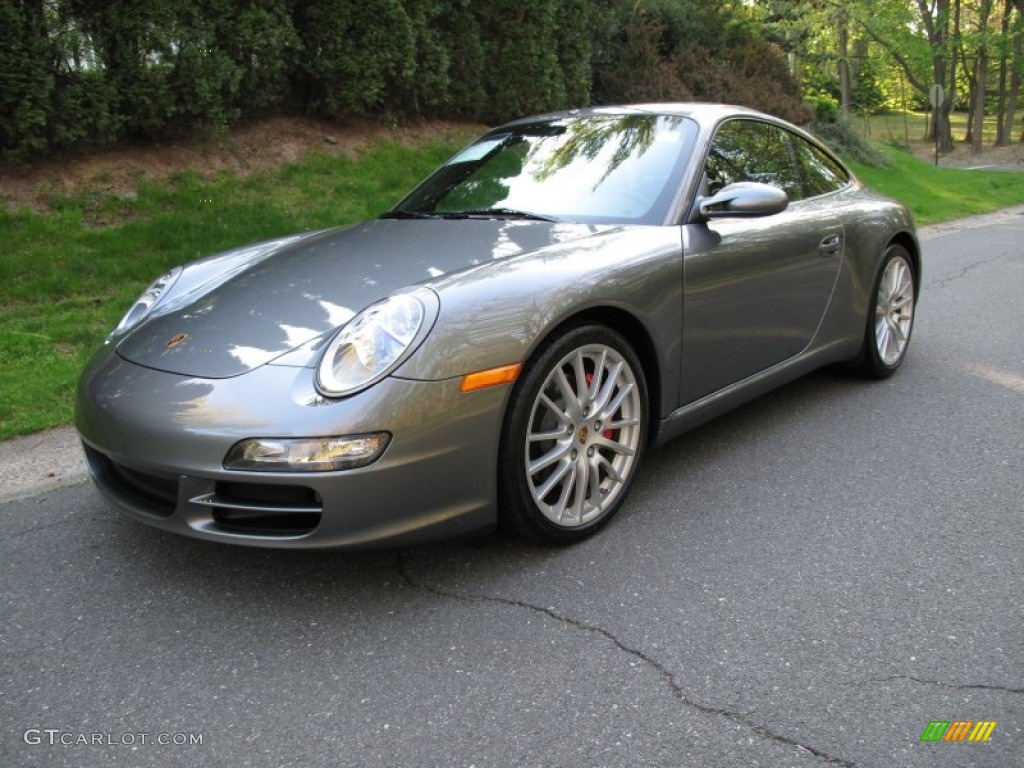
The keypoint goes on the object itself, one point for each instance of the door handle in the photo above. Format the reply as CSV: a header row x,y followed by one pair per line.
x,y
830,245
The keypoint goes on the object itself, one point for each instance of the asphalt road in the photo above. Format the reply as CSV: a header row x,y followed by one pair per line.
x,y
807,581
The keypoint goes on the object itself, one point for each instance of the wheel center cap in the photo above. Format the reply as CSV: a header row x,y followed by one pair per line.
x,y
583,434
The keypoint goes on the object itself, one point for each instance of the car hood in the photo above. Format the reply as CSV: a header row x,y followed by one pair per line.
x,y
303,288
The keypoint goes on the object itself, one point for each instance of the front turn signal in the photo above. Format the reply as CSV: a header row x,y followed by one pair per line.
x,y
492,377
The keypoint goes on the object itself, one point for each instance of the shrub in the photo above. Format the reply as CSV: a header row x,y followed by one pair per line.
x,y
261,40
826,109
521,70
202,78
683,50
749,75
82,110
459,33
425,87
572,34
843,139
26,83
634,69
354,50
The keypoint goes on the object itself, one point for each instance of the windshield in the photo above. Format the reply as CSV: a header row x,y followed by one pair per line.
x,y
598,168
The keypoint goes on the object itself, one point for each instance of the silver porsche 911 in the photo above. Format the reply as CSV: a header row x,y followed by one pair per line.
x,y
504,344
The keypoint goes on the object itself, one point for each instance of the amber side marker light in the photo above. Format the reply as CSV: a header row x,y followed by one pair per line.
x,y
492,377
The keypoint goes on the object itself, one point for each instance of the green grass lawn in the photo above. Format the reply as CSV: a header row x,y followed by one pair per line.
x,y
67,275
939,194
894,129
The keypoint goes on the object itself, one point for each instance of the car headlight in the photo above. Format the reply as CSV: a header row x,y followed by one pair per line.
x,y
373,343
147,301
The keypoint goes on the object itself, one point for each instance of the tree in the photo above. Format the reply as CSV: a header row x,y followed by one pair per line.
x,y
978,79
1010,63
936,19
838,43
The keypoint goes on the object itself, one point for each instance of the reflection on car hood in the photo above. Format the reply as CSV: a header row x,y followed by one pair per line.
x,y
310,287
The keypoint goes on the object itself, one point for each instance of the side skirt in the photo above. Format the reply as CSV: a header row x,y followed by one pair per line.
x,y
708,407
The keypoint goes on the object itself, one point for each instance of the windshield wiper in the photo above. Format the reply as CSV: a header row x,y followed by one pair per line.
x,y
401,213
494,213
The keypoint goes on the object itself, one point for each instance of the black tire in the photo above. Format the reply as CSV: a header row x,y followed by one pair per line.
x,y
887,328
586,434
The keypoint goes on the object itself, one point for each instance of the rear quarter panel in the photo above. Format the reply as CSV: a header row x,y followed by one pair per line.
x,y
872,223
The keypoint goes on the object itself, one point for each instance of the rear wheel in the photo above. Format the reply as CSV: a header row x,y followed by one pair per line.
x,y
891,315
574,437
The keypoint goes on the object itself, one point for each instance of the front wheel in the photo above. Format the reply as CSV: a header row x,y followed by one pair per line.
x,y
891,315
574,437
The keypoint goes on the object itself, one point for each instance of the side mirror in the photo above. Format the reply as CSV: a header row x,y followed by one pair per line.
x,y
744,199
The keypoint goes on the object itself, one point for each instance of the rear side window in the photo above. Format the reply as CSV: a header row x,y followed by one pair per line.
x,y
820,173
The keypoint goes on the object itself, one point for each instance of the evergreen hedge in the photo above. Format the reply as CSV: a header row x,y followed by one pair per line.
x,y
92,72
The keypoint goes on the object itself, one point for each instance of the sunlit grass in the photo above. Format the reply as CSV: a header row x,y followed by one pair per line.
x,y
67,275
939,194
897,127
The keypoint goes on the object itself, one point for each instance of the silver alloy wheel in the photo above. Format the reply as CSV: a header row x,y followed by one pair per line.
x,y
894,311
583,435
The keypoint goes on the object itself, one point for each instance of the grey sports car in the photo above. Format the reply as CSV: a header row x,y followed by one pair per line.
x,y
504,344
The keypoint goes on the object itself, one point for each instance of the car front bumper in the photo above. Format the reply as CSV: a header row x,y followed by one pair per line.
x,y
156,442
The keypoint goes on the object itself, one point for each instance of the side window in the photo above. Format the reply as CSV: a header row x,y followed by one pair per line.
x,y
749,150
821,174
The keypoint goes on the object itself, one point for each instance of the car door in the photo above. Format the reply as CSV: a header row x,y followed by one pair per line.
x,y
755,289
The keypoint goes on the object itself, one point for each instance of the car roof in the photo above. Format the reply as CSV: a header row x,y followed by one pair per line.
x,y
702,112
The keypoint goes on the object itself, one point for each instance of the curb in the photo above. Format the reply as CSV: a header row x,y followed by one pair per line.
x,y
42,462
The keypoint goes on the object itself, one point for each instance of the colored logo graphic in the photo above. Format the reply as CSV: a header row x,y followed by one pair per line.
x,y
175,340
958,730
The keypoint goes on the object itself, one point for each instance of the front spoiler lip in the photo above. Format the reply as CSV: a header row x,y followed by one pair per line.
x,y
431,482
191,518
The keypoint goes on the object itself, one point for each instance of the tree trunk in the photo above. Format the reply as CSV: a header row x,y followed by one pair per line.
x,y
972,94
978,118
980,79
860,49
937,27
1001,138
845,85
1018,62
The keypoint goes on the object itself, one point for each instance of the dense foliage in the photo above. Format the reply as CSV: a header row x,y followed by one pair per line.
x,y
97,71
692,50
874,56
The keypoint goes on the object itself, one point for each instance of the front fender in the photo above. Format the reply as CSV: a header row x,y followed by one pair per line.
x,y
497,314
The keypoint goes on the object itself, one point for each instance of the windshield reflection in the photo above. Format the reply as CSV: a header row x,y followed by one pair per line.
x,y
594,169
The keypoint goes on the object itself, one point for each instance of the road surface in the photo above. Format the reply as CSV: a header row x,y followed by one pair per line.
x,y
809,580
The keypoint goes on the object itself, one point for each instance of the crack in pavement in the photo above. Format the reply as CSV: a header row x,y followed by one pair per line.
x,y
953,686
961,274
43,526
662,670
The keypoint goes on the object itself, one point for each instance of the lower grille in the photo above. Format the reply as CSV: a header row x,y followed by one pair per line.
x,y
254,509
264,509
152,492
